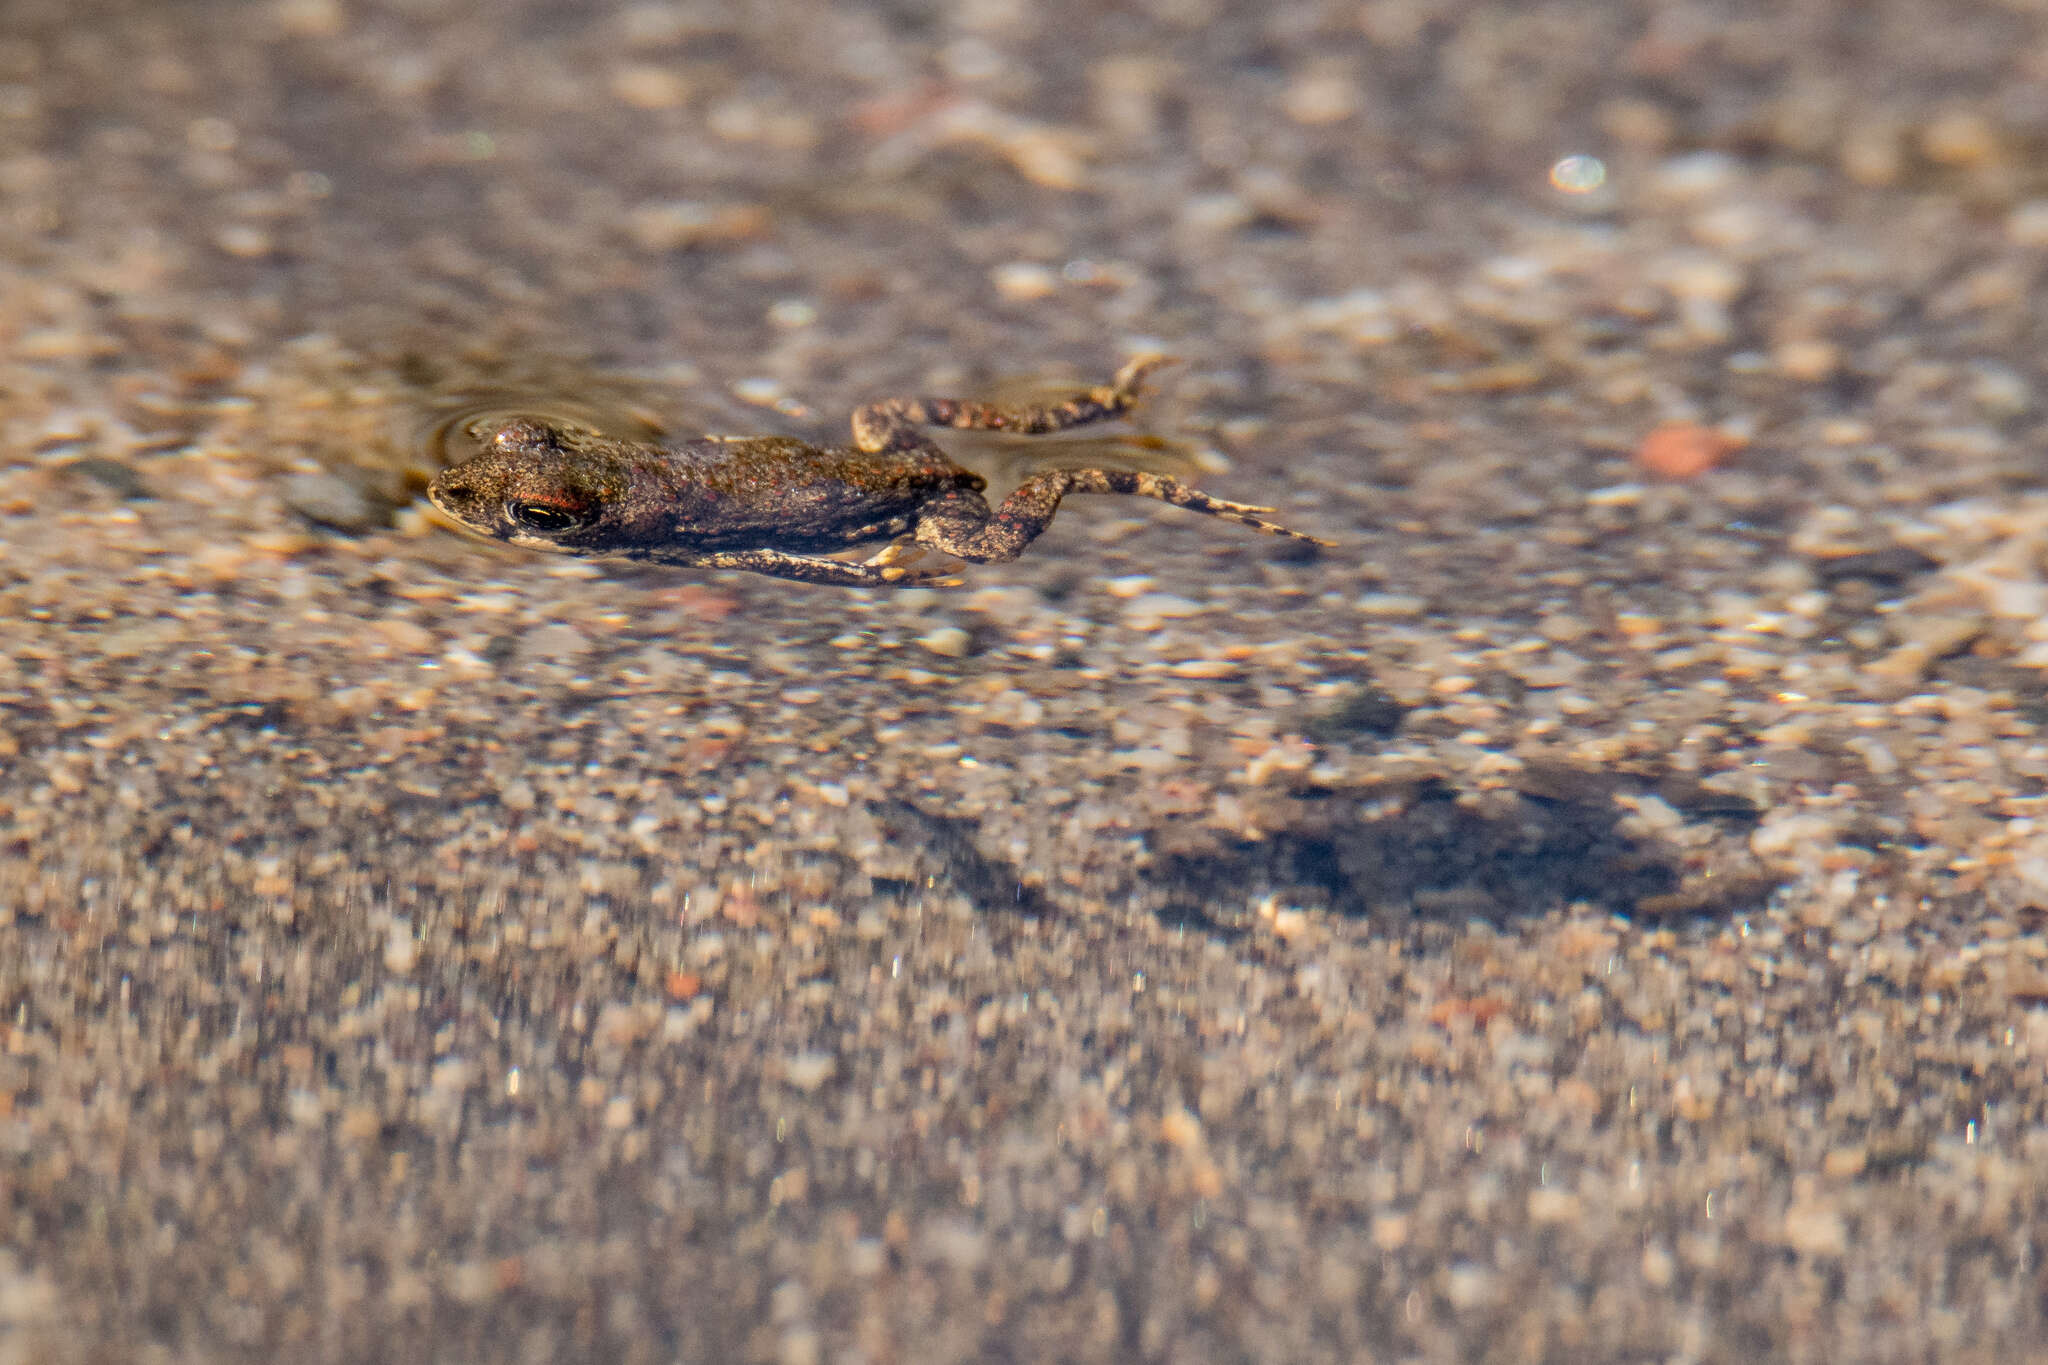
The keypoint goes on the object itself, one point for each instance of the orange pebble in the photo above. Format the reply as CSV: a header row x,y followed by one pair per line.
x,y
1683,450
1480,1008
704,603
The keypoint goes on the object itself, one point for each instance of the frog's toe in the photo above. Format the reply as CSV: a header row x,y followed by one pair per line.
x,y
896,576
892,553
1137,368
901,555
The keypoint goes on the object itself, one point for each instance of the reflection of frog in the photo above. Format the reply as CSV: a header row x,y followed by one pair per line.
x,y
776,505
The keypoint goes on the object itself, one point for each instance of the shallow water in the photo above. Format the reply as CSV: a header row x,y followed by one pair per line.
x,y
1587,912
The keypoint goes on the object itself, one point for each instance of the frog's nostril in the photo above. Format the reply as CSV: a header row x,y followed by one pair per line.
x,y
451,493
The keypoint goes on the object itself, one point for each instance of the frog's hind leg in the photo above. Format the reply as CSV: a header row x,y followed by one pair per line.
x,y
962,525
892,423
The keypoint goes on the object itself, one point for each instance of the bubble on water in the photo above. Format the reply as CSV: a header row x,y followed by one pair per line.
x,y
1578,174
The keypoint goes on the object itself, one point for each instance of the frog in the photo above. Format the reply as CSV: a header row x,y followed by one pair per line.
x,y
780,506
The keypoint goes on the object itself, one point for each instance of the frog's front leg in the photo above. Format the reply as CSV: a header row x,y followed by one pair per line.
x,y
892,423
806,568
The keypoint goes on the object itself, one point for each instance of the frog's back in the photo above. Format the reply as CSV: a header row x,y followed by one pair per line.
x,y
775,490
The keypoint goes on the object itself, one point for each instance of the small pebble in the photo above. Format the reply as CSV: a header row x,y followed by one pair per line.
x,y
1809,362
555,642
1682,450
809,1070
949,642
401,949
2027,224
332,501
1149,610
646,86
245,240
673,225
1392,606
1692,275
1322,97
310,18
118,478
1023,281
1873,155
1961,137
1815,1229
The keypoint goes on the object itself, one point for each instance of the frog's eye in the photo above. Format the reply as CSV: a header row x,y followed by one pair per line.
x,y
549,518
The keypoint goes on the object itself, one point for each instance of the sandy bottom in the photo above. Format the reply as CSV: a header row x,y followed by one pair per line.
x,y
1594,911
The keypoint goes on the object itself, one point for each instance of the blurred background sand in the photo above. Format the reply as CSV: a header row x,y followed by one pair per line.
x,y
1593,912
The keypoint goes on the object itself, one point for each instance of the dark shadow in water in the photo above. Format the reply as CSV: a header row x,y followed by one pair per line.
x,y
948,842
1419,851
1424,853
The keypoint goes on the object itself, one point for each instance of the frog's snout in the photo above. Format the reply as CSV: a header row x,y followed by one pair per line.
x,y
454,493
443,492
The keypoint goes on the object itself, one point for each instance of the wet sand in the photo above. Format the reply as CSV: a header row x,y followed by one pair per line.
x,y
1594,911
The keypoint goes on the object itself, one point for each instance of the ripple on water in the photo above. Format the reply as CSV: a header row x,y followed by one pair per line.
x,y
456,428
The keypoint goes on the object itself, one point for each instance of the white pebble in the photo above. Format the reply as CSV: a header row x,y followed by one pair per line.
x,y
809,1070
1696,176
1131,585
400,949
1391,605
1023,281
2027,224
948,641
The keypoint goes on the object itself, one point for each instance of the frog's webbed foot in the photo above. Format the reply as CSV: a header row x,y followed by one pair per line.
x,y
895,552
906,556
891,424
809,569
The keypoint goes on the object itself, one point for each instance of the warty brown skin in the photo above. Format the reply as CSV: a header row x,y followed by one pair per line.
x,y
775,505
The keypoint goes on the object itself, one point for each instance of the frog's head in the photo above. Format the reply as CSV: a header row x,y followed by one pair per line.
x,y
535,485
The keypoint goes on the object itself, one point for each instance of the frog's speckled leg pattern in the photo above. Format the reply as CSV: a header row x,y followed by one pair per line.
x,y
892,423
962,525
803,568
